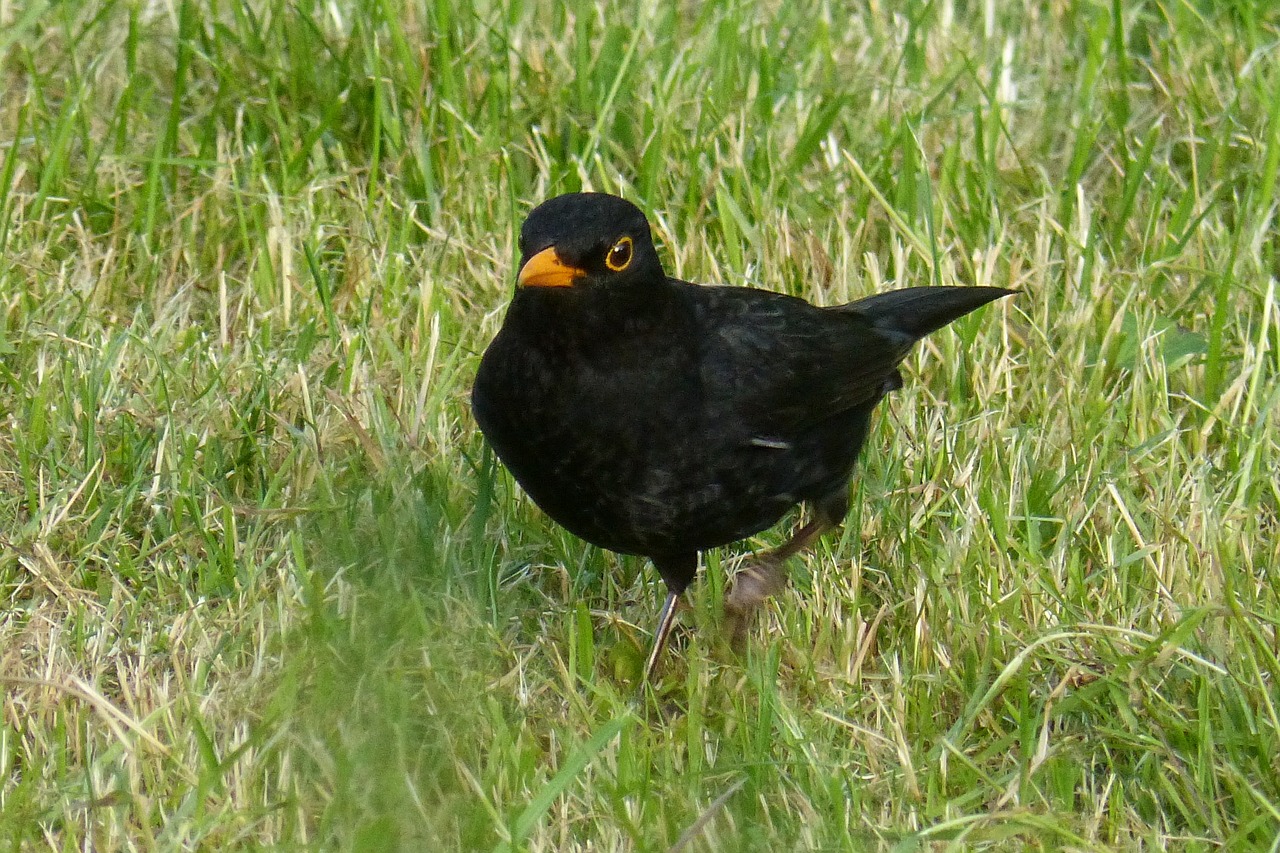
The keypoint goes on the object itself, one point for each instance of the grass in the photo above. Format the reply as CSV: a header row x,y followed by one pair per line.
x,y
265,586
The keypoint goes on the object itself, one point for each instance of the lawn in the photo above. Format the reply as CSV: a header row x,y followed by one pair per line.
x,y
265,587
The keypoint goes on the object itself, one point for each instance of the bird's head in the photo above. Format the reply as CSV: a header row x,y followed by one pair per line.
x,y
587,240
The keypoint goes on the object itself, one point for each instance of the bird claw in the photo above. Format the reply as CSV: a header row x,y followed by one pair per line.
x,y
761,579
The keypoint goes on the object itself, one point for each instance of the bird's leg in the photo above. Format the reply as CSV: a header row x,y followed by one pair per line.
x,y
802,539
666,619
677,572
764,576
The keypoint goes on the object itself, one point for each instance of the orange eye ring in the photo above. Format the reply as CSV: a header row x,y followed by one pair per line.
x,y
619,257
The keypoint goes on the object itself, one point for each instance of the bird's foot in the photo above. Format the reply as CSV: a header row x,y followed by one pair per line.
x,y
760,579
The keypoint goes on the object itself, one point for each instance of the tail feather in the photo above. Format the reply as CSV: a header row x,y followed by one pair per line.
x,y
917,311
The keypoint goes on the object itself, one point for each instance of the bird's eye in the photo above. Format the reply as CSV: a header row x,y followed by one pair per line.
x,y
619,256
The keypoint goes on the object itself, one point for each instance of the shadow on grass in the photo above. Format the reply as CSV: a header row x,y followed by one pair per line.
x,y
386,695
417,710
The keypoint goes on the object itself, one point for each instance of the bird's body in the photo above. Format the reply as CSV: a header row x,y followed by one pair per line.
x,y
682,431
652,416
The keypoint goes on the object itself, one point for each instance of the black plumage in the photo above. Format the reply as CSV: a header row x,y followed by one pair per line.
x,y
652,416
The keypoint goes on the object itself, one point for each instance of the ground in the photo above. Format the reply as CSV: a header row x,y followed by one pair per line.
x,y
265,586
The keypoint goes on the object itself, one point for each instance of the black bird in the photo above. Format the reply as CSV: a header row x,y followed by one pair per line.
x,y
653,416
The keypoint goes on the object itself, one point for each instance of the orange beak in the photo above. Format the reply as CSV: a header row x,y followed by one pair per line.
x,y
545,269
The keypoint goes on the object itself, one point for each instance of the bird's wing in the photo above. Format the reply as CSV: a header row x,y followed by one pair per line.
x,y
776,364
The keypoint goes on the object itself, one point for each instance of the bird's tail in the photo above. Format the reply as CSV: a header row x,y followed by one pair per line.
x,y
917,311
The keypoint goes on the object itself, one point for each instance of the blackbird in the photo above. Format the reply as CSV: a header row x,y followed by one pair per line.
x,y
651,416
